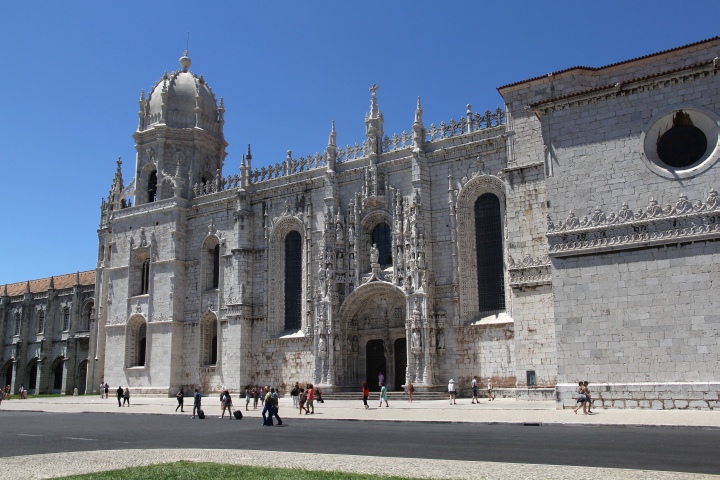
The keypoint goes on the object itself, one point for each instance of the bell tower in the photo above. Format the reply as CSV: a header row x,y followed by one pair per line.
x,y
179,140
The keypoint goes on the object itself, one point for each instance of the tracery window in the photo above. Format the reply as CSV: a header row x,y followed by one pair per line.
x,y
66,319
489,251
41,321
293,281
17,324
87,317
382,239
211,263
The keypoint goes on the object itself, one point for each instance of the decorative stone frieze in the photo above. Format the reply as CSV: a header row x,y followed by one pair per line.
x,y
530,272
653,225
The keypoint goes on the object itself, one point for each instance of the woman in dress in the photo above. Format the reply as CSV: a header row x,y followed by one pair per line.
x,y
180,399
383,395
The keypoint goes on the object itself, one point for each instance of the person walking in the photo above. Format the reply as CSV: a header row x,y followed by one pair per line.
x,y
107,390
365,394
275,405
452,392
302,398
491,395
102,389
409,389
256,395
119,393
310,402
180,399
581,398
473,386
267,411
383,395
126,397
588,397
226,404
197,402
381,378
247,397
295,394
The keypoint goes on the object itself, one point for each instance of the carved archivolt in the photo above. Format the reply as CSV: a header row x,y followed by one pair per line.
x,y
276,272
471,190
369,293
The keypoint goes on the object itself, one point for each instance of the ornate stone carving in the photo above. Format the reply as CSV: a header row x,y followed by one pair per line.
x,y
530,272
652,225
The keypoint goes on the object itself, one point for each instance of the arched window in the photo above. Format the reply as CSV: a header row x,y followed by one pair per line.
x,y
17,324
142,344
216,266
382,240
489,251
293,281
145,277
152,187
66,319
87,317
136,342
209,340
41,321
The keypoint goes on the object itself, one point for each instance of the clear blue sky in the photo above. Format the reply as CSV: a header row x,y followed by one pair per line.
x,y
71,74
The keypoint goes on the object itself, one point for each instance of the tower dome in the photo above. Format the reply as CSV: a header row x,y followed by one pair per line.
x,y
181,100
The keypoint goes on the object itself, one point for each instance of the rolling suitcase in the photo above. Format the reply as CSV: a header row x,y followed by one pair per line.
x,y
237,414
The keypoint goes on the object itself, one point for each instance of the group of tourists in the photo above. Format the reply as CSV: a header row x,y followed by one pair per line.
x,y
104,389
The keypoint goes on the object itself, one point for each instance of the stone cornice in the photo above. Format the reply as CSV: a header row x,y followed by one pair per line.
x,y
159,206
639,85
686,221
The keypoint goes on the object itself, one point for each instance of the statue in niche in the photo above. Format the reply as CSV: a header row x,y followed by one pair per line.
x,y
143,240
355,343
351,235
321,273
441,340
322,346
421,260
399,259
339,235
421,242
352,262
416,339
337,344
374,254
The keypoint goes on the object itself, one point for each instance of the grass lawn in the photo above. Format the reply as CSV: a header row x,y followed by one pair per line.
x,y
192,470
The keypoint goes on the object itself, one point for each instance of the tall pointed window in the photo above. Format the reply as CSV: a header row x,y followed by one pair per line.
x,y
293,281
152,187
142,344
216,266
382,240
145,277
17,324
209,340
489,251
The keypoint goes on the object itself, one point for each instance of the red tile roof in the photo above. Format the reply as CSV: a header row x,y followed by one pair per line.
x,y
43,284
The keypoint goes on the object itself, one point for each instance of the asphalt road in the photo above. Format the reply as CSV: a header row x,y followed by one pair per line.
x,y
670,449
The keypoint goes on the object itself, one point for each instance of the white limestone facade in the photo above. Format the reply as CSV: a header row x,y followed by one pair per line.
x,y
629,153
570,236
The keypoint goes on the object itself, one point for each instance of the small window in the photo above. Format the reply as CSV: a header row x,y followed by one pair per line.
x,y
66,319
216,267
41,321
17,324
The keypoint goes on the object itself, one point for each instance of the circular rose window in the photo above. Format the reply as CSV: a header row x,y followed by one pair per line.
x,y
681,143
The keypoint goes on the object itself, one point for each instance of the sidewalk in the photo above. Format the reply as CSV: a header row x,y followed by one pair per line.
x,y
500,410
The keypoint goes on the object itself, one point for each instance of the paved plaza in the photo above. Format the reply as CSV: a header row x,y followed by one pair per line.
x,y
498,411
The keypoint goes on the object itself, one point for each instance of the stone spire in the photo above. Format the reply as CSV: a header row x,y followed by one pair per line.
x,y
374,122
332,148
418,129
52,283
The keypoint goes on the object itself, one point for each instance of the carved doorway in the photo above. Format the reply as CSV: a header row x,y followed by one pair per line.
x,y
81,377
375,363
400,363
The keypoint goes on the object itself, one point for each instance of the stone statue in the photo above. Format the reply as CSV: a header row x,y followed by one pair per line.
x,y
322,346
374,254
415,339
441,340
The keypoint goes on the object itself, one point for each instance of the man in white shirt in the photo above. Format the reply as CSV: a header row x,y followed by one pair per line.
x,y
452,392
